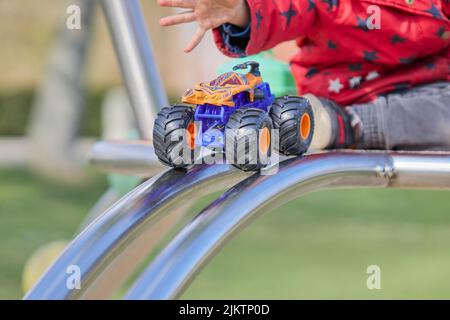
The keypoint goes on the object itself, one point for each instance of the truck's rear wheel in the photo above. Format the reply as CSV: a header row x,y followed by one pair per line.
x,y
174,136
248,139
293,117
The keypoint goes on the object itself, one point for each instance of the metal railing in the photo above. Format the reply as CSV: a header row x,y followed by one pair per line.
x,y
134,52
111,247
178,263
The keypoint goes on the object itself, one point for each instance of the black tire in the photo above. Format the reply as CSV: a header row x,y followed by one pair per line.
x,y
288,114
242,135
167,138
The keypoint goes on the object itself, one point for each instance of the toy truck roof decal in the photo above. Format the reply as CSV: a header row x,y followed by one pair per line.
x,y
220,91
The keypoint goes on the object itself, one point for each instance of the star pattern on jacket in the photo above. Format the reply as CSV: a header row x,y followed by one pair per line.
x,y
397,39
311,5
407,60
311,72
362,24
259,18
331,4
331,45
335,85
372,75
430,65
355,66
443,34
402,86
370,55
289,14
355,82
434,11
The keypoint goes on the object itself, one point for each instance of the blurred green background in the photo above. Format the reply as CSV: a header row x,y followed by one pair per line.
x,y
315,247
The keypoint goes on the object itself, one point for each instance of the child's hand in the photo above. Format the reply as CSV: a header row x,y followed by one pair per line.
x,y
209,14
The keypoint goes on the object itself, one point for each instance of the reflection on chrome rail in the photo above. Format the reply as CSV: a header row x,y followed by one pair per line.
x,y
110,248
178,263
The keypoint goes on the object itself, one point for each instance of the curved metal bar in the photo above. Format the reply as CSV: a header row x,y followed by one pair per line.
x,y
125,157
424,170
109,249
134,51
177,264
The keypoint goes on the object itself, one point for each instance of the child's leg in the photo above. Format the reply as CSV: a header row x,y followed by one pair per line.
x,y
415,119
333,128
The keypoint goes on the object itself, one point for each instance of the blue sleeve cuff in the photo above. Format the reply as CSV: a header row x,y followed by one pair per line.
x,y
235,38
236,32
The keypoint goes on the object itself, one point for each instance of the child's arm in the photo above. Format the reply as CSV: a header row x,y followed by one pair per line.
x,y
270,22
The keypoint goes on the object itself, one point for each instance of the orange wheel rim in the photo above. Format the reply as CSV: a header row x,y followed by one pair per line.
x,y
264,140
305,126
191,131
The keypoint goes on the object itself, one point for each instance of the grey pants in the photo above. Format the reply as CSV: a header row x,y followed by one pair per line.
x,y
415,119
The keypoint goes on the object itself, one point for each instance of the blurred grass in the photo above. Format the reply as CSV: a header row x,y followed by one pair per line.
x,y
34,211
320,247
315,247
15,107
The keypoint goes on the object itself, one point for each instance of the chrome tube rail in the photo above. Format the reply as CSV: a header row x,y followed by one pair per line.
x,y
110,248
135,158
177,264
137,63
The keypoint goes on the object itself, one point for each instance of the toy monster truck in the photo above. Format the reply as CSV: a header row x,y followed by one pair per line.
x,y
234,113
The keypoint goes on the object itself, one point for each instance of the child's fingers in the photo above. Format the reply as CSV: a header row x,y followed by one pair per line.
x,y
183,17
198,36
187,4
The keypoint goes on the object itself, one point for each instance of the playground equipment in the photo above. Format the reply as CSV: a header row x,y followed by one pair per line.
x,y
109,249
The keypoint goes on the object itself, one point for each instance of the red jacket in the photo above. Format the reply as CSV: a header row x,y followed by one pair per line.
x,y
341,57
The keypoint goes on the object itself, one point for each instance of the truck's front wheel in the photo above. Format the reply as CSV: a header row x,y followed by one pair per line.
x,y
174,136
293,117
248,139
